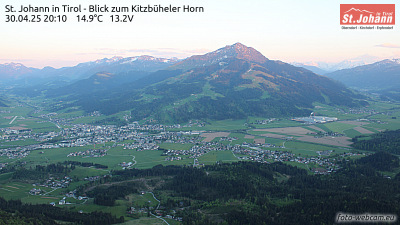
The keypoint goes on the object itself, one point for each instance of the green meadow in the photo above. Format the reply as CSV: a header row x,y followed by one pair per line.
x,y
149,159
176,146
225,125
351,133
309,149
114,156
217,156
274,124
338,127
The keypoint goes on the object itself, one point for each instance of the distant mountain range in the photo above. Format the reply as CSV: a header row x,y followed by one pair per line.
x,y
18,74
230,83
95,83
377,76
324,67
313,69
14,70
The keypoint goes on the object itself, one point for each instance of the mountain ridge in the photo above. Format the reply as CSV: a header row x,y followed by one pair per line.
x,y
232,82
332,67
384,74
31,76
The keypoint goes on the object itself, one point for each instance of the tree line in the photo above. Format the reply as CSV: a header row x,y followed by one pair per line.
x,y
388,141
47,214
256,193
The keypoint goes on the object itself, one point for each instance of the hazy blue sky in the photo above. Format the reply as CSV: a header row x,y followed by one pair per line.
x,y
288,30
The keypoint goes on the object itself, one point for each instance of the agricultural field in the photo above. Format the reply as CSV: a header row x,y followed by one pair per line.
x,y
274,124
392,124
339,127
47,156
175,146
310,149
225,125
142,200
351,133
82,172
149,159
18,117
211,136
20,190
217,156
24,142
145,221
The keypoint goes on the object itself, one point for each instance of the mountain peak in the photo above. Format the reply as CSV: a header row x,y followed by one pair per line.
x,y
14,65
237,50
241,51
13,70
108,60
385,62
396,60
239,46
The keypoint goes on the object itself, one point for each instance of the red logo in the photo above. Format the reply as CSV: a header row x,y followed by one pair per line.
x,y
367,14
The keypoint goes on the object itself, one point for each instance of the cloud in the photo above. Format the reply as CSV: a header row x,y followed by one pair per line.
x,y
388,45
157,52
16,60
396,55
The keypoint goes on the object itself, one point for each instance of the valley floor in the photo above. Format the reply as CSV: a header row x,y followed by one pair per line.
x,y
32,137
